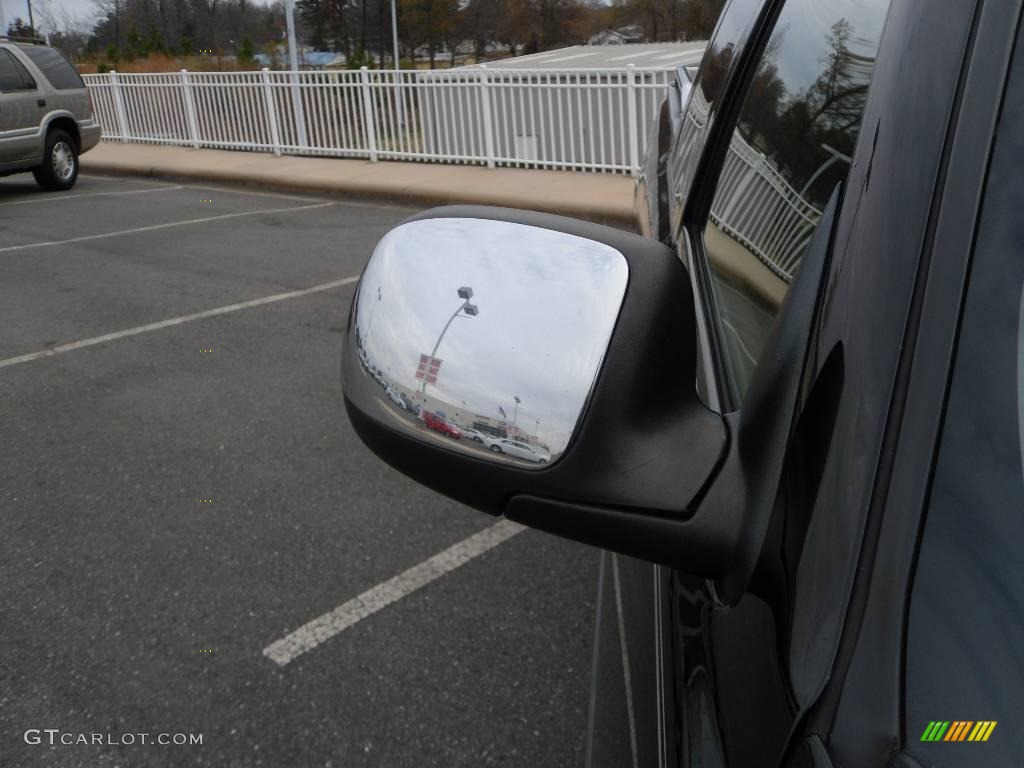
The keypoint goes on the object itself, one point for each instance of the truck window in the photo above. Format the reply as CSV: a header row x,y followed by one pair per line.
x,y
793,143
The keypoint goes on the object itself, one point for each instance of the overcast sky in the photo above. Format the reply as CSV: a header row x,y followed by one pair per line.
x,y
547,301
83,10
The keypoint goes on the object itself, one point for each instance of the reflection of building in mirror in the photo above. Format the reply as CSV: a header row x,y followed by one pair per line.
x,y
457,419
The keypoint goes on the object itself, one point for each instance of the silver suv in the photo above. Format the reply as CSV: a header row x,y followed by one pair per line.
x,y
46,118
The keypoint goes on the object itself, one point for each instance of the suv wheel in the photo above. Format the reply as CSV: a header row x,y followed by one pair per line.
x,y
60,162
496,448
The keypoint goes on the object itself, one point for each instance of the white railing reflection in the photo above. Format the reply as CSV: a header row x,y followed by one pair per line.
x,y
756,206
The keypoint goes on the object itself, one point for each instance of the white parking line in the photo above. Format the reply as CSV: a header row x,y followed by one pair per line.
x,y
172,322
153,227
309,636
303,198
56,198
253,193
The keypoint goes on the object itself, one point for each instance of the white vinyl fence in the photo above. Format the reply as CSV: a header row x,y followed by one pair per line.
x,y
593,120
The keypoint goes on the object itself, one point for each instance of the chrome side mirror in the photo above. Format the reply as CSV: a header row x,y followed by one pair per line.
x,y
485,337
544,368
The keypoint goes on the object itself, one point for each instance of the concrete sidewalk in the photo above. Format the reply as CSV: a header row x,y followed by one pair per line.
x,y
600,197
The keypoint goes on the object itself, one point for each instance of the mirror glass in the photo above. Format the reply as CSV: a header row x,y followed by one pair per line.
x,y
484,336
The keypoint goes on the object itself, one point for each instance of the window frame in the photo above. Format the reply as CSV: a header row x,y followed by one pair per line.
x,y
720,381
719,390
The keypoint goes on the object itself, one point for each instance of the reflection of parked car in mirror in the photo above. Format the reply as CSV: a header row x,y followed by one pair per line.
x,y
438,423
394,396
476,435
520,451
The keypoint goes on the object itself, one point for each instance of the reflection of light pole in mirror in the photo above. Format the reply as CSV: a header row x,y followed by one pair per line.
x,y
369,323
515,409
471,310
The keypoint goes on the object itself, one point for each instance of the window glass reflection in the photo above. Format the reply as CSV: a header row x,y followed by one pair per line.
x,y
793,143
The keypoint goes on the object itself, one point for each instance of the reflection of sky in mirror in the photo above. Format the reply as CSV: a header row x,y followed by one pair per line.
x,y
547,304
806,26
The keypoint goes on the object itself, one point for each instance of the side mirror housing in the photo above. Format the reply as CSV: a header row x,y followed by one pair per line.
x,y
544,369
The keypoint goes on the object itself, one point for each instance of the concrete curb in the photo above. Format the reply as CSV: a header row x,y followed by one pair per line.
x,y
422,184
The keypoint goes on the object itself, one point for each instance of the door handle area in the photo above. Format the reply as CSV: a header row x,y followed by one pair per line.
x,y
40,102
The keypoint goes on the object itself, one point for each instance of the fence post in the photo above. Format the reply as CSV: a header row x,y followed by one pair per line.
x,y
190,109
270,103
485,108
634,141
119,110
298,109
366,96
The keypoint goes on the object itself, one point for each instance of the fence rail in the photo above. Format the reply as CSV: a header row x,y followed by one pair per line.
x,y
591,120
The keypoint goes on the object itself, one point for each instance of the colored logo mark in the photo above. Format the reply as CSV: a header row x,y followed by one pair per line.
x,y
958,730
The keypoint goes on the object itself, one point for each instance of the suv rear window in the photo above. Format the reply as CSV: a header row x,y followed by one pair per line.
x,y
13,75
58,70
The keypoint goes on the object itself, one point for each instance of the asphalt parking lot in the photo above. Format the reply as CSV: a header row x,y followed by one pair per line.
x,y
180,489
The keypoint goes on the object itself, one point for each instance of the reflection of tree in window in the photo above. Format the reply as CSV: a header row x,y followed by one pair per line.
x,y
794,131
713,71
793,143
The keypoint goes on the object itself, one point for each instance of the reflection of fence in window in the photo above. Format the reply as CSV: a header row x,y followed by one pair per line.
x,y
755,205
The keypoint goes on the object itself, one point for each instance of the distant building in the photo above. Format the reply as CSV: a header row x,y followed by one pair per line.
x,y
610,56
621,36
308,60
